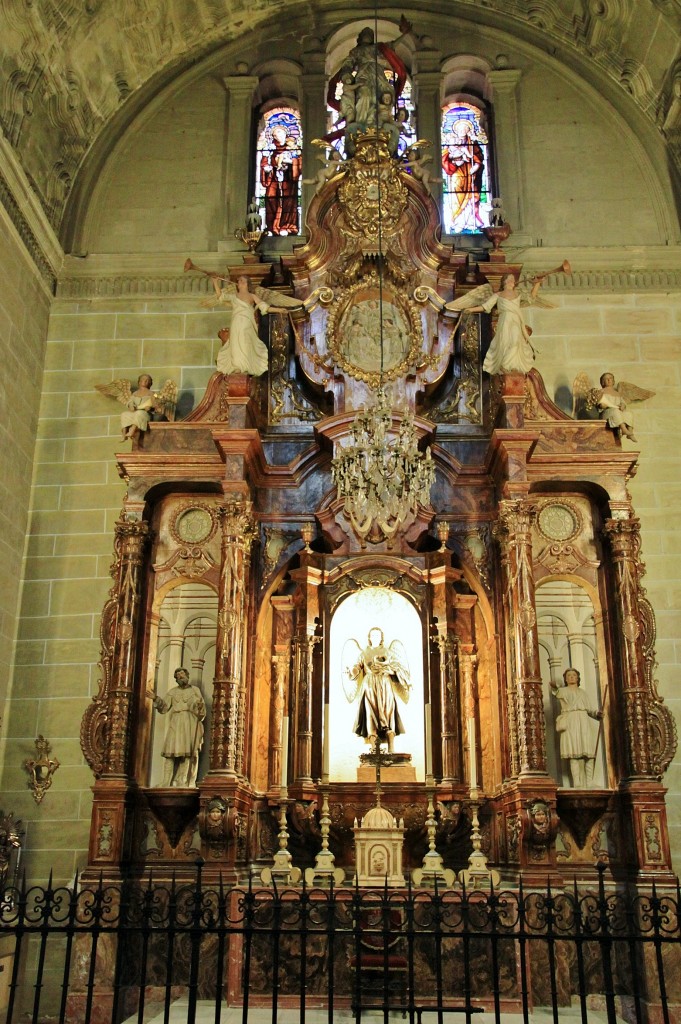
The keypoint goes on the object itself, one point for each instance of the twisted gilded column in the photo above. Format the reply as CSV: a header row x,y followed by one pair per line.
x,y
303,648
625,544
227,738
105,730
526,704
446,645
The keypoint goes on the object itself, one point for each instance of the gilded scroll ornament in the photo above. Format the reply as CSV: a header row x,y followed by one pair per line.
x,y
40,769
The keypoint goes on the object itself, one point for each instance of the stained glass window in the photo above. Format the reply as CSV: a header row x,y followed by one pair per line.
x,y
278,172
466,178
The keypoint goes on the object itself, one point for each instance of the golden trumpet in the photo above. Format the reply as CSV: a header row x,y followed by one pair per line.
x,y
564,268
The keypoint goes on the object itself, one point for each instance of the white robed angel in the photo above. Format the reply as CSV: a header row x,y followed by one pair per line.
x,y
511,350
141,403
376,676
242,350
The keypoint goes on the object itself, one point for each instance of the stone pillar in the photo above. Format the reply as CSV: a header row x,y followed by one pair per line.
x,y
514,533
428,113
507,149
238,533
240,89
313,114
625,542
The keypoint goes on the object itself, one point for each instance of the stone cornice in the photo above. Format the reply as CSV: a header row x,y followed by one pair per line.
x,y
603,269
28,217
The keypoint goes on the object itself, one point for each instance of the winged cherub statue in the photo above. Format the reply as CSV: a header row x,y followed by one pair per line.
x,y
610,400
377,676
141,403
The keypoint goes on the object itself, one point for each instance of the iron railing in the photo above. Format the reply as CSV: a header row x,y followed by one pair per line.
x,y
129,951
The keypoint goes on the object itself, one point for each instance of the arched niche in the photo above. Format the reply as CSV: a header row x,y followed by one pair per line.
x,y
183,633
569,630
395,615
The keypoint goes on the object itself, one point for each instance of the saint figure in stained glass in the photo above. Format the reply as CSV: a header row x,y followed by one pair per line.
x,y
466,197
279,170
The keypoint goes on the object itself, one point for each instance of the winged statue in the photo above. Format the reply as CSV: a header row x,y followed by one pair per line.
x,y
610,399
376,676
511,350
141,403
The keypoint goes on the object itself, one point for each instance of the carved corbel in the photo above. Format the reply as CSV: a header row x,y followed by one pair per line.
x,y
216,825
539,829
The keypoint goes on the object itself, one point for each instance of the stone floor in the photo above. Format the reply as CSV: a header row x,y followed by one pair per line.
x,y
234,1015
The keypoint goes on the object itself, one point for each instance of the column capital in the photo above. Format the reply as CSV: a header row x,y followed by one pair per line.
x,y
241,85
505,80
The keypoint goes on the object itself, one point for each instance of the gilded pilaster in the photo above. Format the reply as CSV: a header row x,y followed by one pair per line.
x,y
625,545
227,740
526,704
446,646
105,730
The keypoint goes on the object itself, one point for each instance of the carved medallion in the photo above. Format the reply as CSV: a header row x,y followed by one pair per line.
x,y
193,524
559,521
372,328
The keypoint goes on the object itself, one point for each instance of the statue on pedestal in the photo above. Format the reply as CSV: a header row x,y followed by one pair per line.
x,y
378,676
577,742
184,736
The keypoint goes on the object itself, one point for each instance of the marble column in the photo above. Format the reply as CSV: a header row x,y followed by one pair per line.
x,y
427,86
131,539
526,705
227,739
313,114
625,543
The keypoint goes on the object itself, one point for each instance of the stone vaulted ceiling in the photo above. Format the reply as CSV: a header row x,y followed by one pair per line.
x,y
70,66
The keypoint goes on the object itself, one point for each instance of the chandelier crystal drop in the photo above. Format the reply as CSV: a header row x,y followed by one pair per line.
x,y
382,479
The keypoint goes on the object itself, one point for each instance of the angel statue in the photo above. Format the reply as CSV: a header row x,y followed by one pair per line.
x,y
378,675
511,350
610,400
142,403
332,165
242,350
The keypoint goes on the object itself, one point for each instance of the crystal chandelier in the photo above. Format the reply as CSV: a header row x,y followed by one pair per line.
x,y
382,479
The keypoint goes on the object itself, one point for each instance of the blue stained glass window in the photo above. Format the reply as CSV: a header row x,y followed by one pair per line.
x,y
278,171
466,179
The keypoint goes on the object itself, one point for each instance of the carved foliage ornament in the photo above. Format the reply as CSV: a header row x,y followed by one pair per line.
x,y
372,196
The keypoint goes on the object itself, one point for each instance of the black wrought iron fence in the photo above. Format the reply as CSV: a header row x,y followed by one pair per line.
x,y
130,951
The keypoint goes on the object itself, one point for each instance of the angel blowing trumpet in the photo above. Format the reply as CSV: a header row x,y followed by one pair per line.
x,y
511,350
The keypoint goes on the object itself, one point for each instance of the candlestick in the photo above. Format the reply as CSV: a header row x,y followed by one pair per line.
x,y
472,758
284,752
325,747
429,742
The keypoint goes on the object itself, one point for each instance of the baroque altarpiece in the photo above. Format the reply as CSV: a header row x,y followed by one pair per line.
x,y
235,558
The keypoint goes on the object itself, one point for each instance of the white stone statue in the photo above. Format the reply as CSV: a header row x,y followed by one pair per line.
x,y
378,675
578,735
186,710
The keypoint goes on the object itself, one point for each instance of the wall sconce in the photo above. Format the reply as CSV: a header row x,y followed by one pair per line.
x,y
40,769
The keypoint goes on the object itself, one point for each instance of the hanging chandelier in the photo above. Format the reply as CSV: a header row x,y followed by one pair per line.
x,y
382,479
